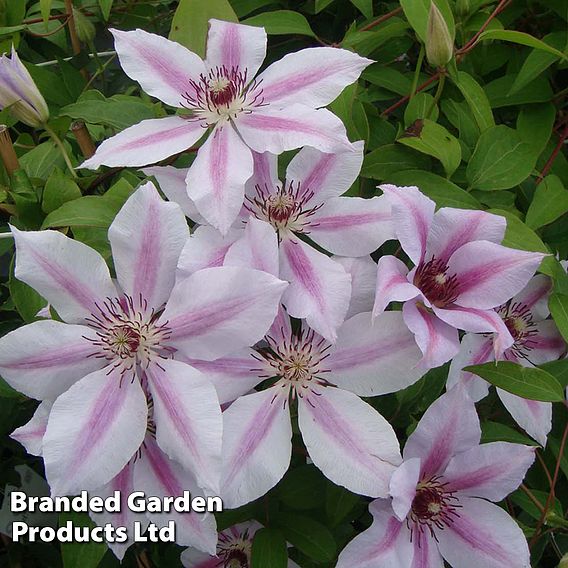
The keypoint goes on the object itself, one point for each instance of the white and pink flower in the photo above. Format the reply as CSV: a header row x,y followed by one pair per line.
x,y
536,341
442,493
120,344
276,110
461,273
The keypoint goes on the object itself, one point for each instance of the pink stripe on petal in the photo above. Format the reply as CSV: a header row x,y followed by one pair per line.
x,y
388,540
315,179
344,221
148,260
162,469
61,357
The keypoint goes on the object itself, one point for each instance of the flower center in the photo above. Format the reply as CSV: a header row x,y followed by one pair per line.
x,y
126,332
222,95
286,210
434,282
234,552
297,363
433,506
519,321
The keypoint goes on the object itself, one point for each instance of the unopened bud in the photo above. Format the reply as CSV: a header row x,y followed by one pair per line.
x,y
563,562
84,27
463,7
439,44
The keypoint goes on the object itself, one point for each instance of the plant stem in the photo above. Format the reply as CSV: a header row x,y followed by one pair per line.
x,y
62,149
7,152
438,94
417,71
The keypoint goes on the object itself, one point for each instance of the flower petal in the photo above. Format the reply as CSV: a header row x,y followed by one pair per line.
x,y
147,142
491,471
71,276
474,350
490,274
158,476
216,179
265,174
94,429
163,68
217,311
146,238
189,428
172,183
535,296
386,544
31,434
373,358
352,226
546,344
315,76
319,290
452,228
392,284
124,484
363,272
235,46
43,359
402,487
534,417
483,535
232,376
325,175
352,444
412,215
438,341
275,130
193,558
205,248
478,321
448,427
257,446
426,553
257,248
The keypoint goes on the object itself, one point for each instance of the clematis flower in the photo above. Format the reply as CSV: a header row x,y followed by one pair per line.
x,y
461,273
276,110
19,92
537,340
149,470
346,438
441,498
234,549
120,343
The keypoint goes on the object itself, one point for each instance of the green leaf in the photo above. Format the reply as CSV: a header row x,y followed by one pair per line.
x,y
309,536
416,11
45,7
550,202
558,369
81,554
558,304
39,162
27,301
282,22
105,6
364,6
501,160
499,92
364,43
521,38
527,382
534,125
538,61
497,432
419,107
321,5
476,98
58,190
388,78
191,21
339,503
117,113
88,211
384,161
302,488
433,139
442,191
269,549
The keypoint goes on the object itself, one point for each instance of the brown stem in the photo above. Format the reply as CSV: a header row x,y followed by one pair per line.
x,y
7,152
544,467
72,30
553,156
380,20
52,32
39,20
550,497
83,138
406,98
530,495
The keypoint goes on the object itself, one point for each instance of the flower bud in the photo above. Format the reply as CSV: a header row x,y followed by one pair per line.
x,y
463,7
85,28
19,92
439,43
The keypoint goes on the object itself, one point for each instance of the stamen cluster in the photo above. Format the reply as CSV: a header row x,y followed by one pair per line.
x,y
434,282
234,552
519,321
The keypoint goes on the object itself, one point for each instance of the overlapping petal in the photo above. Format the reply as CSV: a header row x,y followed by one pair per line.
x,y
31,434
392,284
363,272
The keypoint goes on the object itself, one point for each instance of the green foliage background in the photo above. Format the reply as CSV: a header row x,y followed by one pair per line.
x,y
488,133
